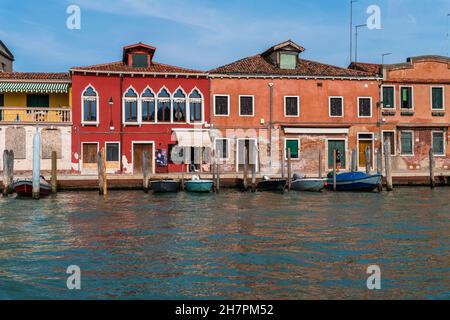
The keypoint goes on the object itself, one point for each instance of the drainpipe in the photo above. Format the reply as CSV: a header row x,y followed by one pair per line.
x,y
121,124
270,123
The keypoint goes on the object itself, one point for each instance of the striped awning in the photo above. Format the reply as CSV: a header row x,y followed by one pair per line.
x,y
34,87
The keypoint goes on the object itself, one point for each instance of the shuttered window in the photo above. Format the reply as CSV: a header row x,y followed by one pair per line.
x,y
407,144
222,148
293,144
336,107
406,98
388,98
112,152
140,60
246,106
364,107
291,107
390,135
38,100
438,143
288,61
437,98
221,106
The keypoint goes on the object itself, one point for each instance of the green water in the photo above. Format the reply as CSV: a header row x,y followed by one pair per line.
x,y
227,246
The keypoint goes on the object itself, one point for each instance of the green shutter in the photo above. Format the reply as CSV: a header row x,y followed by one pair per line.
x,y
406,143
388,97
336,145
140,61
293,145
438,143
288,61
438,98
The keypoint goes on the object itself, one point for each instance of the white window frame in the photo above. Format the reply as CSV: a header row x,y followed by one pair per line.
x,y
443,98
253,105
329,106
412,140
395,140
298,106
228,141
228,106
171,105
90,123
138,106
113,142
412,98
382,97
432,143
371,107
285,147
188,104
147,100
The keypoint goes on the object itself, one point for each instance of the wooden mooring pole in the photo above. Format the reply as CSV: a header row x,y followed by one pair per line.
x,y
54,179
102,180
388,165
145,170
217,172
380,168
282,167
36,191
289,170
334,170
432,167
8,157
245,182
320,164
105,180
368,160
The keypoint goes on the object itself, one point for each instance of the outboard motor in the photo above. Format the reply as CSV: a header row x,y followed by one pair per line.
x,y
266,178
298,176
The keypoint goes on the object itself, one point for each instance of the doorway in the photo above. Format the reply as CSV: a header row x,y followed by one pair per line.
x,y
339,145
251,146
365,140
138,152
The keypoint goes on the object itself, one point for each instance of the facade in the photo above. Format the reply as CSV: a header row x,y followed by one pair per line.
x,y
6,58
30,102
276,101
137,105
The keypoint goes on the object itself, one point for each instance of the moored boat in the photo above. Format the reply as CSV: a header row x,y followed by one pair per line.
x,y
272,185
308,185
199,185
165,186
24,187
355,181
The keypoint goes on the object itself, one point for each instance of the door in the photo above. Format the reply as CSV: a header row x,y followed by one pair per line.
x,y
340,146
362,146
90,155
247,148
138,152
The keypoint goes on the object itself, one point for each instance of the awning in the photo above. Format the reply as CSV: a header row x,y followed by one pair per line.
x,y
316,130
34,87
193,138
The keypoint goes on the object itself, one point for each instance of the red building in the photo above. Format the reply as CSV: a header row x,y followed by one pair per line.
x,y
138,105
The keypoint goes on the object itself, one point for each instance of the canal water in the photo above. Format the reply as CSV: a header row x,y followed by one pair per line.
x,y
227,246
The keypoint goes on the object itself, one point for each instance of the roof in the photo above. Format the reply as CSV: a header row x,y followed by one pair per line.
x,y
34,77
259,66
39,87
5,51
121,67
372,68
411,60
283,45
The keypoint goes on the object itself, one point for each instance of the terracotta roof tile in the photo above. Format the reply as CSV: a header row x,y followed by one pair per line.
x,y
33,76
119,66
372,68
258,65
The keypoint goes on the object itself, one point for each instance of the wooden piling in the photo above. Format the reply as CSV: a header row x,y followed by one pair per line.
x,y
282,167
6,172
320,165
182,181
388,165
334,170
54,179
145,171
380,168
432,167
105,180
36,190
289,170
100,172
368,160
245,182
217,172
354,163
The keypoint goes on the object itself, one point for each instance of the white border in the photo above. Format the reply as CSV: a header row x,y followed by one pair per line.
x,y
412,97
432,143
90,123
253,105
395,141
394,107
329,106
285,147
228,107
138,107
298,107
443,98
412,139
188,104
371,107
150,100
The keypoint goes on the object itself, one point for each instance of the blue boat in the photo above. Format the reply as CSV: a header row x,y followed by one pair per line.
x,y
198,185
355,181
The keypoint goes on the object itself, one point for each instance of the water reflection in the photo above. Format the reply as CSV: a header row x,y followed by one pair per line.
x,y
227,246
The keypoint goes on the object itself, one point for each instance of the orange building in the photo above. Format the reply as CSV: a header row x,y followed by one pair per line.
x,y
276,100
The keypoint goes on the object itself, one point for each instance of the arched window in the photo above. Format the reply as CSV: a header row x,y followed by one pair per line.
x,y
148,106
90,106
164,106
196,106
179,106
130,106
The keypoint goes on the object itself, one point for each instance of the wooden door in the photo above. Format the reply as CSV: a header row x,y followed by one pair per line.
x,y
362,152
90,155
340,146
138,151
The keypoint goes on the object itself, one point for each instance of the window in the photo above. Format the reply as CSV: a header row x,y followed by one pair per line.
x,y
406,98
246,106
221,105
112,152
148,106
3,67
222,148
294,145
390,135
130,106
291,106
407,143
90,106
196,106
364,107
288,61
140,60
438,143
38,100
164,106
437,98
336,107
179,106
388,97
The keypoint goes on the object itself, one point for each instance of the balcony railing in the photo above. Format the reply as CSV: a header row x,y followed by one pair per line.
x,y
35,115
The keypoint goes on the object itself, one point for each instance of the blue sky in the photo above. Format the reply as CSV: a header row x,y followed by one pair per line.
x,y
204,34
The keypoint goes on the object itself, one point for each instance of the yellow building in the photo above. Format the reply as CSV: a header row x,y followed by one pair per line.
x,y
36,101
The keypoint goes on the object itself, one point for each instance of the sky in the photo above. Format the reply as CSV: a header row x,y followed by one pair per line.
x,y
204,34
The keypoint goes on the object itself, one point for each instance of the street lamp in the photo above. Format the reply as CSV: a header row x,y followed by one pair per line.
x,y
356,39
351,28
384,55
111,124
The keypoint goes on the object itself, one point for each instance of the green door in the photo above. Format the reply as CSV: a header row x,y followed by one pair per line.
x,y
336,145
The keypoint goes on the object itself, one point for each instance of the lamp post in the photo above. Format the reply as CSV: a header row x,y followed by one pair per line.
x,y
111,124
356,39
384,55
351,28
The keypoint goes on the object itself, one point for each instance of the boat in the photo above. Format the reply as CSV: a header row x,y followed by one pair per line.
x,y
165,186
24,187
199,185
307,184
355,181
269,184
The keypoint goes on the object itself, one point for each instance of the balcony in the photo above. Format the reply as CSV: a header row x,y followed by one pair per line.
x,y
22,115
